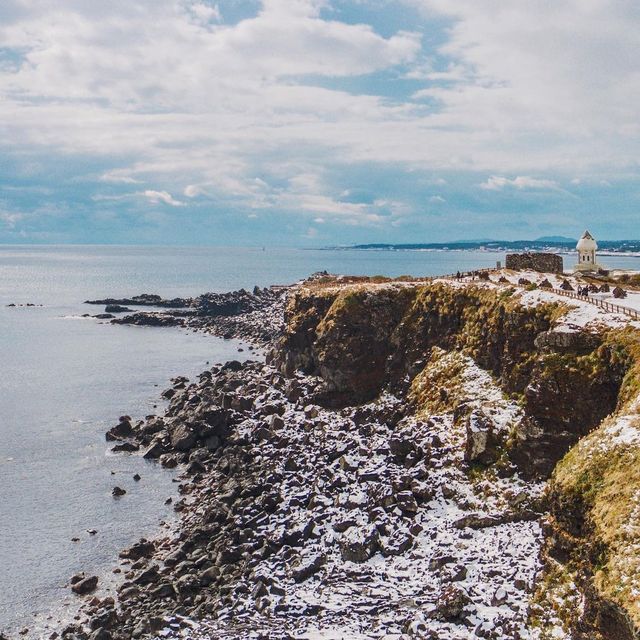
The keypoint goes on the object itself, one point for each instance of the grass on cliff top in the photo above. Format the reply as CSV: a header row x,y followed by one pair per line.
x,y
380,310
477,314
625,348
331,281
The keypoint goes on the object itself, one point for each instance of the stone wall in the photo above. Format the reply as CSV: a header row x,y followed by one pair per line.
x,y
543,262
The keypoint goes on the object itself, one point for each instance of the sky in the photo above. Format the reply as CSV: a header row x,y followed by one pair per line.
x,y
318,122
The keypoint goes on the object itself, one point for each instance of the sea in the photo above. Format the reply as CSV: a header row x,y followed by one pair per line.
x,y
66,379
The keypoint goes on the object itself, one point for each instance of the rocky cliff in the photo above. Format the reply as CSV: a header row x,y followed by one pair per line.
x,y
576,388
363,338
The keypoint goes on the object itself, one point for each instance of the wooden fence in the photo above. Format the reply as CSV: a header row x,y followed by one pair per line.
x,y
607,306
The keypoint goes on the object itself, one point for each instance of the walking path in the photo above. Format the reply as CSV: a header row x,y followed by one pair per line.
x,y
607,306
598,302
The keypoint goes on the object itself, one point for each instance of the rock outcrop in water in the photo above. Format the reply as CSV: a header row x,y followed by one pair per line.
x,y
383,474
255,316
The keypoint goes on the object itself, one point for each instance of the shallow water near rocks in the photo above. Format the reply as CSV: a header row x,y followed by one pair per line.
x,y
64,383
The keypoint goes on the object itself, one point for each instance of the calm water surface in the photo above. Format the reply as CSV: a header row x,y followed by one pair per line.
x,y
65,380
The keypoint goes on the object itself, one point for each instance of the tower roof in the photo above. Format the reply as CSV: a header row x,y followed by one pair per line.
x,y
587,242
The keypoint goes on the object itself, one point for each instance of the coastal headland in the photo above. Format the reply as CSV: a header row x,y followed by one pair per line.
x,y
429,458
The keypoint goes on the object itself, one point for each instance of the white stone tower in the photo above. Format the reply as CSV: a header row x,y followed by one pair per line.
x,y
587,247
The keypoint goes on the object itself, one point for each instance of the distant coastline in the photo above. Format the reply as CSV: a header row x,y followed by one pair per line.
x,y
566,245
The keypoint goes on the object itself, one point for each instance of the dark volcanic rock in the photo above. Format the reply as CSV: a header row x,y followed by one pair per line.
x,y
308,568
285,489
122,430
256,315
150,320
126,447
482,439
451,602
145,299
84,585
116,308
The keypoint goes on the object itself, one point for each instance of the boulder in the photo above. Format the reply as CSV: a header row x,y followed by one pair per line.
x,y
566,286
450,604
155,450
482,441
126,447
407,502
117,308
398,543
275,422
142,549
121,431
499,597
401,446
84,585
183,438
305,569
359,544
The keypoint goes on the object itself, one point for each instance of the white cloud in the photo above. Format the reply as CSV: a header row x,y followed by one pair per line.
x,y
203,12
162,196
199,107
436,199
549,81
118,177
9,220
103,197
193,191
498,183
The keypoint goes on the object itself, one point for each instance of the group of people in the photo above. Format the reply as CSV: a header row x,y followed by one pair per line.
x,y
482,275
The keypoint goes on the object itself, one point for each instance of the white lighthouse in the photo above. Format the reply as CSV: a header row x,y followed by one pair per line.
x,y
587,247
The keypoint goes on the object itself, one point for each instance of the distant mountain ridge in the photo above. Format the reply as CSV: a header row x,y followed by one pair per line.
x,y
555,239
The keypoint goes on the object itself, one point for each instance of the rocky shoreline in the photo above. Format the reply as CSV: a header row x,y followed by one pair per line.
x,y
255,316
294,517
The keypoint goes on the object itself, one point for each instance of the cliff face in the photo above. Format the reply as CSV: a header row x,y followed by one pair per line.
x,y
365,338
361,339
594,528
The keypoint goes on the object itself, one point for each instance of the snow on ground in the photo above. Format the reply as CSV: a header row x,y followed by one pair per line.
x,y
440,533
622,430
582,314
